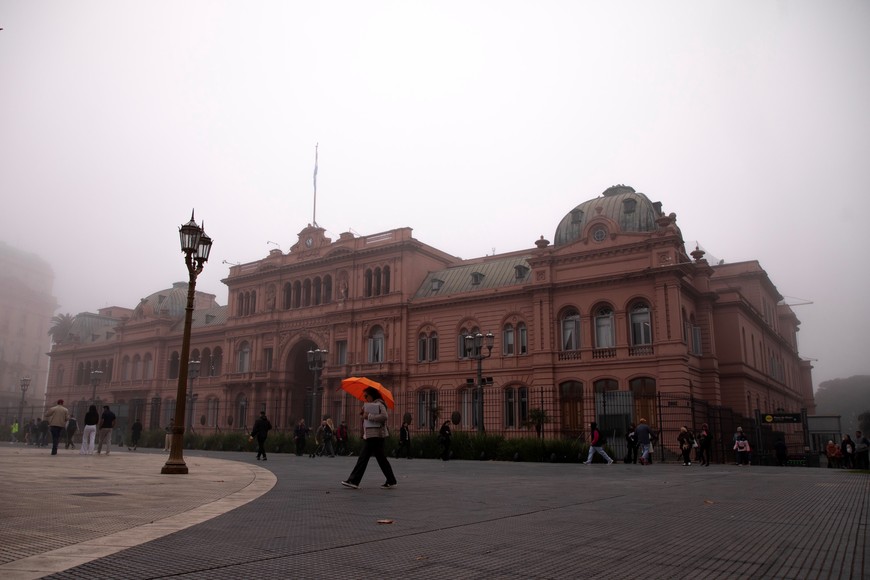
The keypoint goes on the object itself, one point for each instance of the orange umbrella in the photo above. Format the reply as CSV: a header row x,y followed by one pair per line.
x,y
356,385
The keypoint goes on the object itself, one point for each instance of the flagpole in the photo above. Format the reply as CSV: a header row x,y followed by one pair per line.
x,y
314,213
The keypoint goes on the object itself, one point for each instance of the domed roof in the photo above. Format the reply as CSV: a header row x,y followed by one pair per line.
x,y
171,302
632,211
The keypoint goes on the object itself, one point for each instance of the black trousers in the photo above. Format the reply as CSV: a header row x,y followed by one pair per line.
x,y
631,456
372,447
261,447
55,438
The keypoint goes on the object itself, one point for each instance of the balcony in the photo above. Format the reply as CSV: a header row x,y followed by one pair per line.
x,y
603,353
641,350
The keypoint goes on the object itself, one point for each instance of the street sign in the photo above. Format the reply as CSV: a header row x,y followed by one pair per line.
x,y
782,418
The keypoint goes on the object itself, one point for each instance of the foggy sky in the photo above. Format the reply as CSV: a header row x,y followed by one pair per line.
x,y
477,124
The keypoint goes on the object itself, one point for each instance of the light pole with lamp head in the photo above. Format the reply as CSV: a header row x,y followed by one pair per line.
x,y
196,246
474,344
24,383
96,377
316,362
192,373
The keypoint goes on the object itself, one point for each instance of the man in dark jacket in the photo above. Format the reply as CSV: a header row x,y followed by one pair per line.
x,y
71,427
107,423
261,430
644,439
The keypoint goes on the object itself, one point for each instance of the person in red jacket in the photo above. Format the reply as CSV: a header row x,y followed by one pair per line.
x,y
596,445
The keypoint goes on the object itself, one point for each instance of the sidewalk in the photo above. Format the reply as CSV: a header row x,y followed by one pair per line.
x,y
458,519
61,511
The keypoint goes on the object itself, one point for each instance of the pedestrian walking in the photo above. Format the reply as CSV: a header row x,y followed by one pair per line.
x,y
341,439
742,449
445,435
14,431
737,434
299,434
89,433
107,424
781,452
404,441
56,418
71,427
686,440
43,430
832,452
135,434
644,440
847,449
596,445
374,415
631,444
328,437
262,426
705,445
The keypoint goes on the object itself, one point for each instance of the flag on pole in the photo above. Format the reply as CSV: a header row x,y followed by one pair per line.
x,y
314,211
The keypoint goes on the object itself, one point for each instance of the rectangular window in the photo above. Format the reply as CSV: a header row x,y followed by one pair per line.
x,y
570,334
508,340
341,352
696,340
422,342
376,349
523,339
510,419
267,359
603,332
433,347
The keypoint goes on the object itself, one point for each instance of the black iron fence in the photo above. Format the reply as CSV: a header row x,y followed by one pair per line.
x,y
536,413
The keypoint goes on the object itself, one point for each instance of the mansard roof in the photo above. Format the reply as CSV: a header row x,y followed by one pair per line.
x,y
486,273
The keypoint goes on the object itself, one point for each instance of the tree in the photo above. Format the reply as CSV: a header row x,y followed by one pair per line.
x,y
864,422
61,328
537,419
845,397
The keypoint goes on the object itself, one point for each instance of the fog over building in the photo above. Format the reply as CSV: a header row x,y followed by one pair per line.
x,y
599,324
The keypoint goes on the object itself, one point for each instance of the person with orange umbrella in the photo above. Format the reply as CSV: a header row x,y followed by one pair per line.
x,y
374,415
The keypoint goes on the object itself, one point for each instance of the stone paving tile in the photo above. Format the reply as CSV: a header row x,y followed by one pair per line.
x,y
520,520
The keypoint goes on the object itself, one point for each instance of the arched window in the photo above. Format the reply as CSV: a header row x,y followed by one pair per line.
x,y
460,344
327,289
168,411
641,330
240,304
217,362
604,328
522,338
287,296
306,292
367,283
516,406
570,325
125,368
376,280
148,366
58,378
297,294
427,347
205,369
253,308
571,405
385,286
643,390
244,360
507,340
80,373
137,368
376,345
173,365
318,291
212,410
427,408
604,385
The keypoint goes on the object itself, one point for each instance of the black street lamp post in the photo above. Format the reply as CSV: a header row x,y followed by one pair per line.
x,y
195,245
24,384
474,344
96,377
316,362
192,373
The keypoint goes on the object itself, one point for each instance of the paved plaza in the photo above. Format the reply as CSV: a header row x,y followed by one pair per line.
x,y
231,517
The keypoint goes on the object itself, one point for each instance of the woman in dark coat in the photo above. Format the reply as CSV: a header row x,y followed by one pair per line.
x,y
685,439
261,430
705,445
444,435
